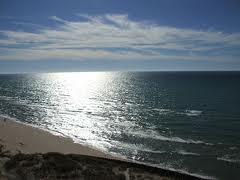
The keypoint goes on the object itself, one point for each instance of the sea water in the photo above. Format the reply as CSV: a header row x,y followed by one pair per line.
x,y
186,121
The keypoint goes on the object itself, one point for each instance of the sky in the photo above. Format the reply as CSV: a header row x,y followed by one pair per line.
x,y
119,35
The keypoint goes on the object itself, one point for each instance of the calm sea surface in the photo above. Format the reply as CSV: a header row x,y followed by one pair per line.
x,y
187,121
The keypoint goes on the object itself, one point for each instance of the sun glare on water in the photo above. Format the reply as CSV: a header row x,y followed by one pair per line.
x,y
76,96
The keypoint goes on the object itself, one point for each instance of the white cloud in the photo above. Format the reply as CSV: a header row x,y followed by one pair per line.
x,y
114,37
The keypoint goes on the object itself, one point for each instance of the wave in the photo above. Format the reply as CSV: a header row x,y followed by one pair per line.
x,y
182,152
233,148
163,111
22,102
193,112
192,174
142,148
15,100
165,167
186,112
182,171
6,117
139,147
154,135
227,159
6,98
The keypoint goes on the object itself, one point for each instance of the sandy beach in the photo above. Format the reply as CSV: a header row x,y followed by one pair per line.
x,y
19,137
27,152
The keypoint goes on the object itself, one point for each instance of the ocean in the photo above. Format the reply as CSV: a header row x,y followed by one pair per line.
x,y
184,121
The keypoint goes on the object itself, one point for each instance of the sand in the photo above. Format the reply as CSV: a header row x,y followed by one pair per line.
x,y
30,153
18,137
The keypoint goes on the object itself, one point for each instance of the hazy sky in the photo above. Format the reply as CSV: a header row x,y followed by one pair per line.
x,y
92,35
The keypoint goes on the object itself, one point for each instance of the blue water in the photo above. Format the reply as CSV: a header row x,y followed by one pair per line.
x,y
187,121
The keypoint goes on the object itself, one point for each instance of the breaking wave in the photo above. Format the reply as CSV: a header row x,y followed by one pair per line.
x,y
186,112
227,159
182,152
193,112
154,135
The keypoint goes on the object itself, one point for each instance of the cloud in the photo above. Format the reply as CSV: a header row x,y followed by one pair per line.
x,y
55,18
114,36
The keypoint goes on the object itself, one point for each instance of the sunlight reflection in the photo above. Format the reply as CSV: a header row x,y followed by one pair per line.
x,y
77,99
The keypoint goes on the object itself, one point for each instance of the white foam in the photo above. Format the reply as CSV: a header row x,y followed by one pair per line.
x,y
193,112
183,152
22,102
163,111
166,167
192,174
227,159
182,171
6,117
6,98
154,151
154,135
60,134
187,112
121,156
233,148
136,147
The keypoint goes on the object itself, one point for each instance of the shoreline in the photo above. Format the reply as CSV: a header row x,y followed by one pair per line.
x,y
20,138
29,139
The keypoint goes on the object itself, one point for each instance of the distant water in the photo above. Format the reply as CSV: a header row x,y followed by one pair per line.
x,y
187,121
